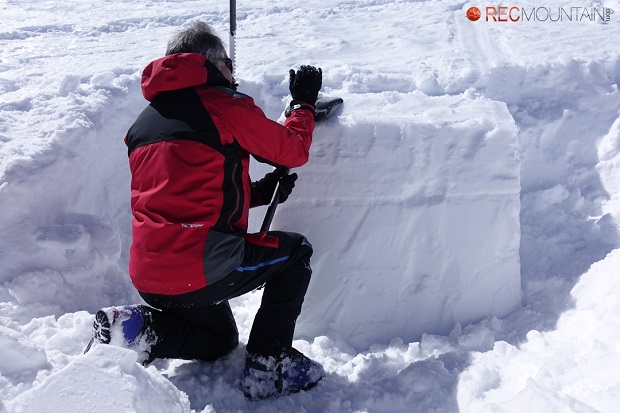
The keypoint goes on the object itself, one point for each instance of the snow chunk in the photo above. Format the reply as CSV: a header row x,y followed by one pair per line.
x,y
20,356
106,379
609,155
420,197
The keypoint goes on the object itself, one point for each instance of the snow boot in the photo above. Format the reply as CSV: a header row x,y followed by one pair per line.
x,y
269,376
127,327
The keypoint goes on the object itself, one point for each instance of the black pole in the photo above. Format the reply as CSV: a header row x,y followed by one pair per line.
x,y
271,211
233,29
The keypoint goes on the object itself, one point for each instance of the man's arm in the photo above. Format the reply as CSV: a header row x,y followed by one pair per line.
x,y
286,145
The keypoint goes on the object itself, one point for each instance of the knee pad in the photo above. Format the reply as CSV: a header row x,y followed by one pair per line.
x,y
305,250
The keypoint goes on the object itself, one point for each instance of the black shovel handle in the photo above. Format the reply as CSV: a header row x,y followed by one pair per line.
x,y
275,200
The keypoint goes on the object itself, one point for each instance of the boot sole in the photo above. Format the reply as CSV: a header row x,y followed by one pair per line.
x,y
101,330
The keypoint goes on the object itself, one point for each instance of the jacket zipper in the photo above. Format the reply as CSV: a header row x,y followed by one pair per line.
x,y
237,193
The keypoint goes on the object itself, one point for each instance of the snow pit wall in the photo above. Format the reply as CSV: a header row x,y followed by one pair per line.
x,y
413,210
411,203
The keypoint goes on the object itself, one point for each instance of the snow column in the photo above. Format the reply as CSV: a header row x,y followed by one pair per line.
x,y
412,205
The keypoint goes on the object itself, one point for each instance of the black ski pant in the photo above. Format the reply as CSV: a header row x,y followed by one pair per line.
x,y
200,324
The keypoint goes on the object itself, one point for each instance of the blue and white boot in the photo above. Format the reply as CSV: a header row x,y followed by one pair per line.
x,y
269,376
127,327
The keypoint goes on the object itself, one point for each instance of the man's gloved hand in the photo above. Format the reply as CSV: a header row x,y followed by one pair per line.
x,y
287,183
305,84
262,190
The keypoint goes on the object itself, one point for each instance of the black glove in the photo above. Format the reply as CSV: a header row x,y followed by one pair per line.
x,y
287,183
262,190
305,84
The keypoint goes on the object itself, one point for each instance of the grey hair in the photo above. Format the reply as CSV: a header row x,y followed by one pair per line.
x,y
197,38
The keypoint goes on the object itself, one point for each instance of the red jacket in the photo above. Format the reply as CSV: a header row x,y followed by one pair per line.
x,y
190,186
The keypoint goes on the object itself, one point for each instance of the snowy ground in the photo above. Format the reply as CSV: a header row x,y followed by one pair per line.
x,y
69,83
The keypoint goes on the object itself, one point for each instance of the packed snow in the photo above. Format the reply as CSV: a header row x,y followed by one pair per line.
x,y
429,236
463,205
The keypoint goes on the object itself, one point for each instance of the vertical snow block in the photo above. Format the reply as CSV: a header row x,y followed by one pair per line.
x,y
412,205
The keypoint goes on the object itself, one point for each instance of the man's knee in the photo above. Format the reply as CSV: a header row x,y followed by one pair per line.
x,y
305,249
292,241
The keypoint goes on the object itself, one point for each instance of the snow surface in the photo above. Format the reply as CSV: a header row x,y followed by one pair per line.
x,y
487,145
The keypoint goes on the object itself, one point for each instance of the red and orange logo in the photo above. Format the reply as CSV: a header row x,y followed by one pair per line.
x,y
516,14
473,13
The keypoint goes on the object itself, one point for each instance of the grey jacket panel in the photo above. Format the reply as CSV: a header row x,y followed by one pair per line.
x,y
223,253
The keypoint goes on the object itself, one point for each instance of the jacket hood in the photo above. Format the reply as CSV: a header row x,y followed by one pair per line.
x,y
173,72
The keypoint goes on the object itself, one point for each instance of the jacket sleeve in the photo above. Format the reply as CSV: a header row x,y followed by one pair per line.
x,y
286,145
